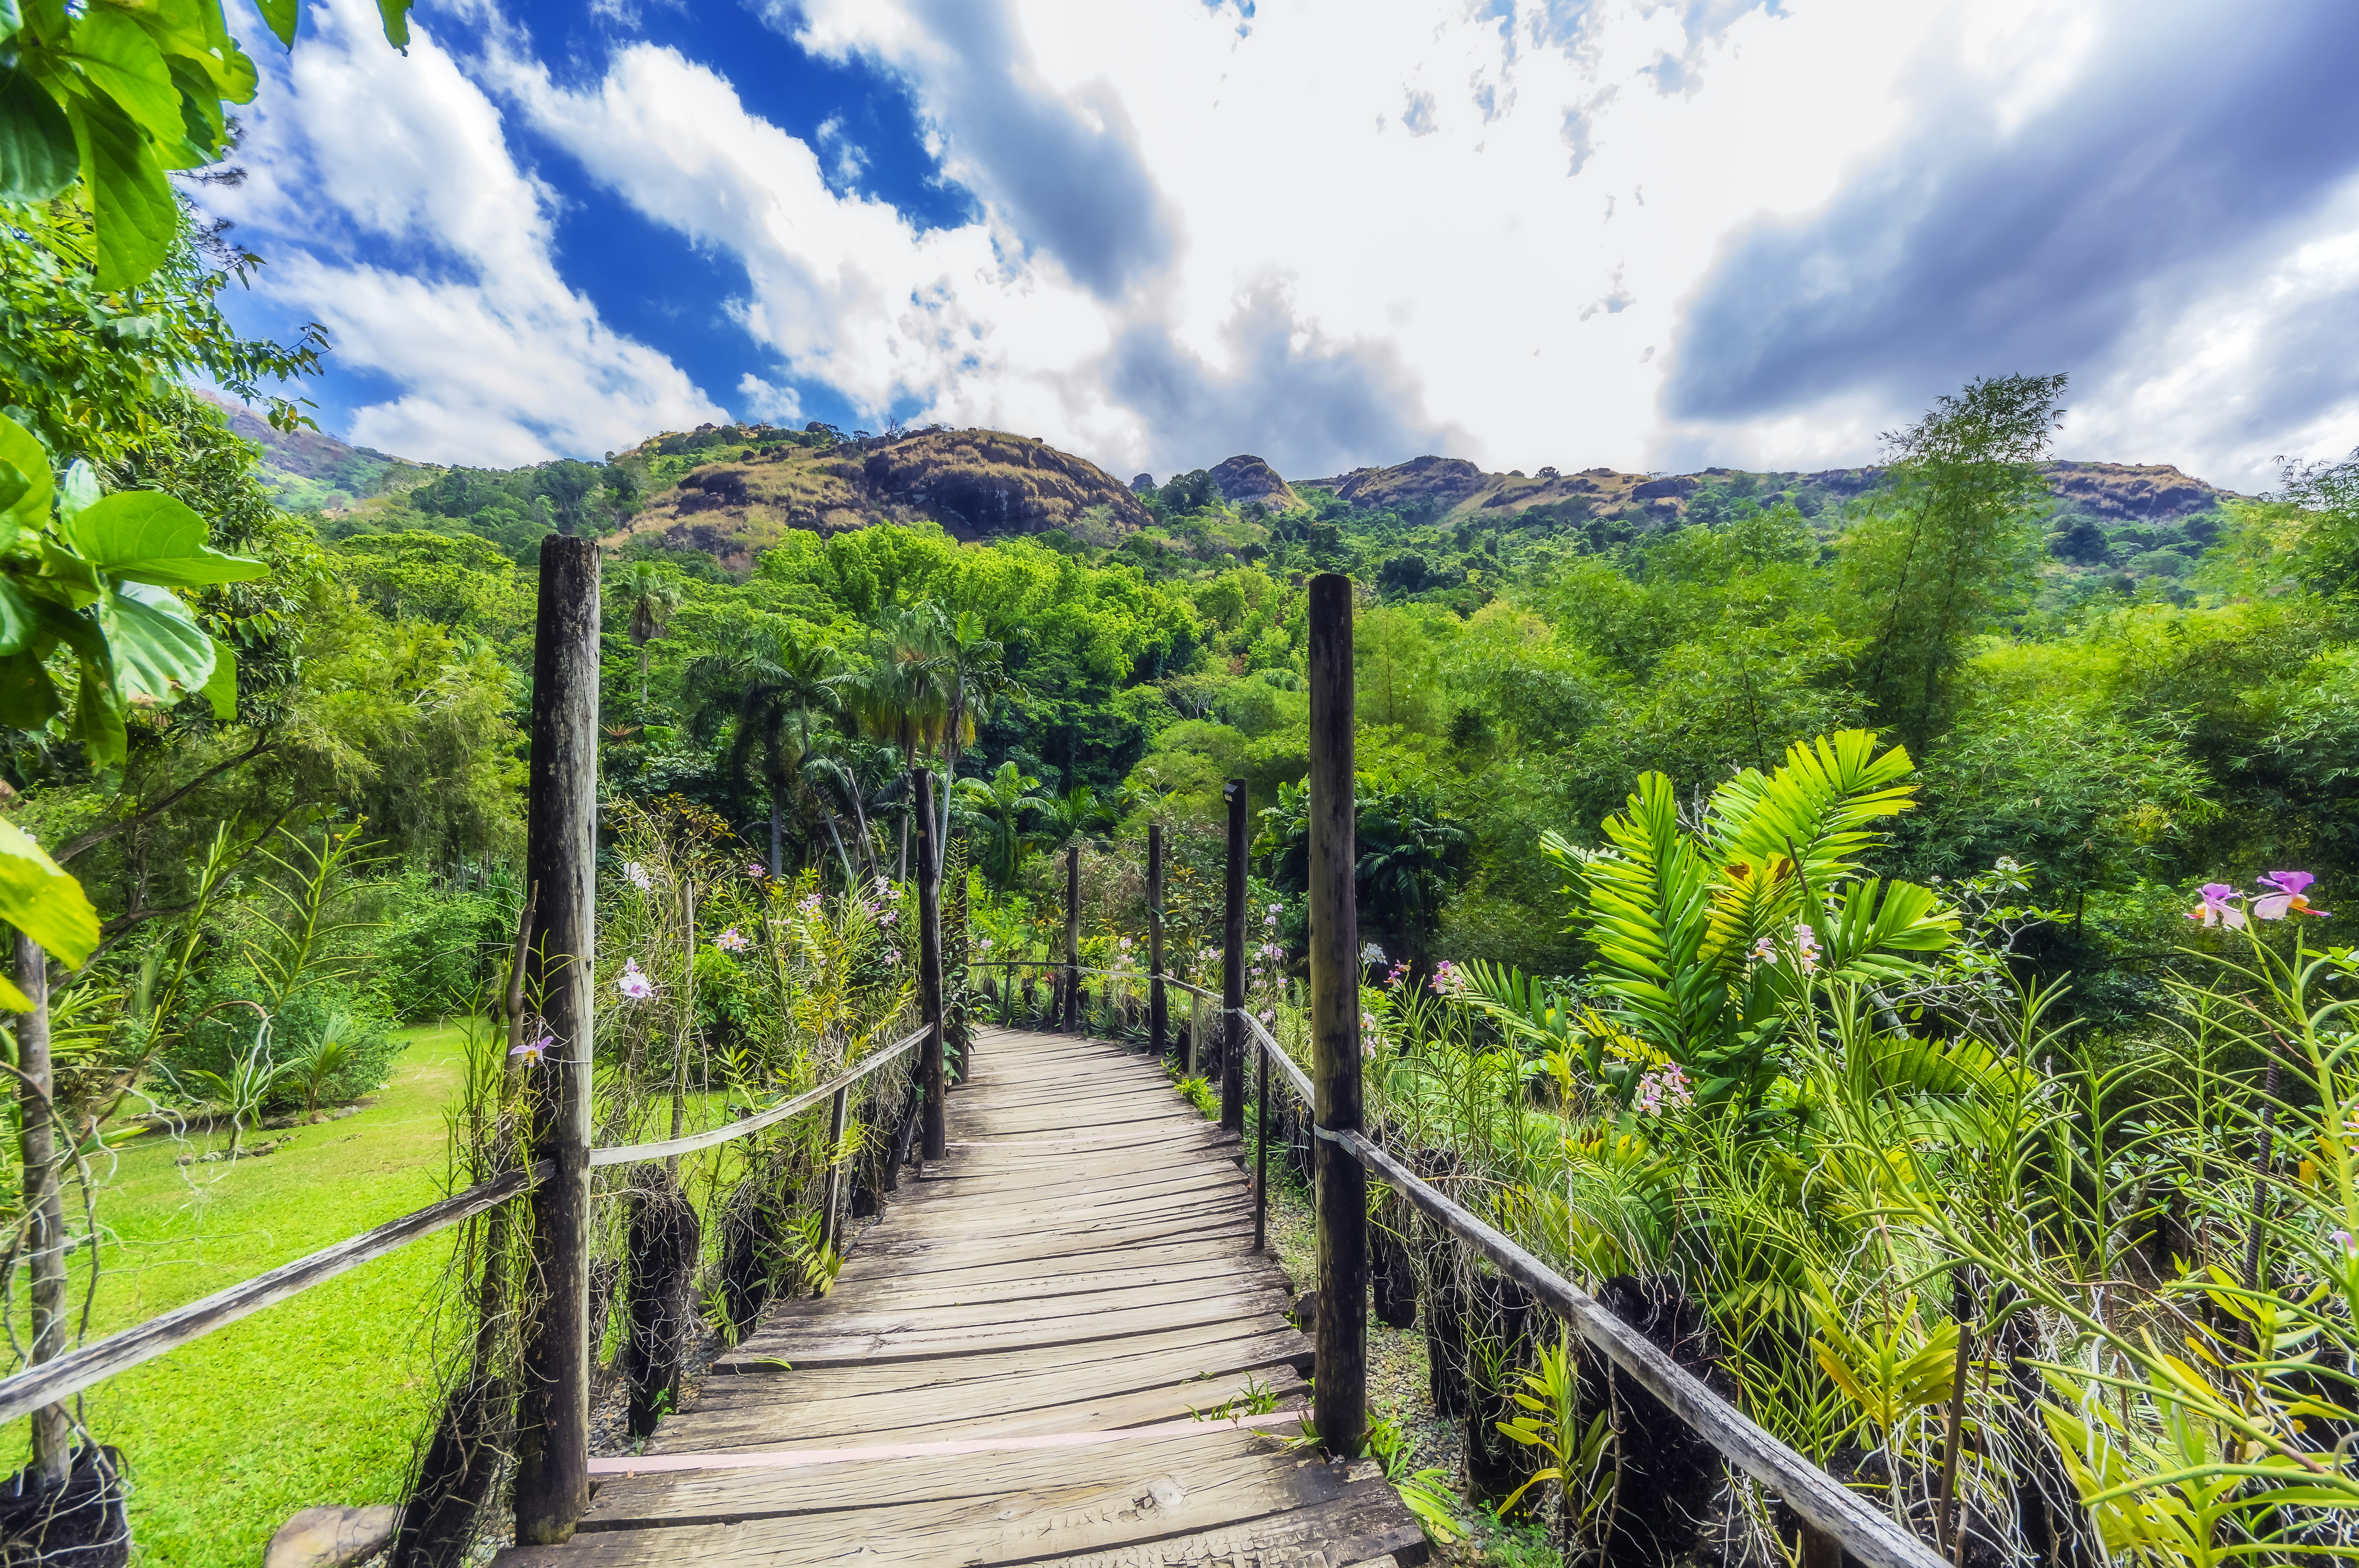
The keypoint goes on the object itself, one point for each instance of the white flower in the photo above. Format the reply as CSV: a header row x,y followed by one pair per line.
x,y
1372,954
638,875
731,941
635,985
986,943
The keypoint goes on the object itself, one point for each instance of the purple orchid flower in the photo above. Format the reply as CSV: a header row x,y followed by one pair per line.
x,y
635,985
2286,896
2215,908
534,1050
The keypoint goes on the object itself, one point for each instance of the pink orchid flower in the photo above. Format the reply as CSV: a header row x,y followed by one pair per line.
x,y
2215,909
2286,897
534,1050
634,983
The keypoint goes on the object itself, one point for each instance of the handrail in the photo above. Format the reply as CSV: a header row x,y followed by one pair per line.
x,y
78,1369
1821,1500
632,1154
1295,1077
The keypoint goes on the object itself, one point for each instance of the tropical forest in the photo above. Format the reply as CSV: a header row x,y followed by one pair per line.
x,y
1875,931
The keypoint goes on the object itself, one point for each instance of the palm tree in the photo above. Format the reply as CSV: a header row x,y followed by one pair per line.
x,y
653,596
1003,804
1075,817
975,679
778,693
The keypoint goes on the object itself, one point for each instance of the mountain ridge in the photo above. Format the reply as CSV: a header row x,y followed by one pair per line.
x,y
730,492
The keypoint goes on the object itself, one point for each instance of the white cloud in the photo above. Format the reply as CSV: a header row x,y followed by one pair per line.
x,y
763,401
1332,232
357,149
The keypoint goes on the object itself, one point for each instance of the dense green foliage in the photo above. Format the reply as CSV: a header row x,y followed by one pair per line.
x,y
1647,765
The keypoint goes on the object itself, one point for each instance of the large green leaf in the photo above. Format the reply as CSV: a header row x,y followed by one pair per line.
x,y
28,697
97,720
395,13
37,141
39,898
137,218
161,652
119,57
280,16
221,690
21,451
146,536
19,622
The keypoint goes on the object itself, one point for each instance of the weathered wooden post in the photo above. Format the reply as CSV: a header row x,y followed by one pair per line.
x,y
1340,1409
929,971
1232,966
1072,936
44,1201
838,1112
1261,1153
552,1484
1158,1017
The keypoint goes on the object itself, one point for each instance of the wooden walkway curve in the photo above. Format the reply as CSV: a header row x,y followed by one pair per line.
x,y
1006,1370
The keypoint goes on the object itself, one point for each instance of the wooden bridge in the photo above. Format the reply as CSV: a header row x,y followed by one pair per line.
x,y
1008,1369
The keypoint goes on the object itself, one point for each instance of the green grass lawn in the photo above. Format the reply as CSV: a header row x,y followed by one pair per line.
x,y
318,1400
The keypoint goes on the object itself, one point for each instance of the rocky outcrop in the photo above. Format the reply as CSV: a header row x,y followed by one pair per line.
x,y
1244,480
2144,492
985,482
978,484
1420,481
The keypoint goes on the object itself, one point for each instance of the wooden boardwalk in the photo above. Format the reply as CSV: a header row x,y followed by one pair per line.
x,y
1006,1370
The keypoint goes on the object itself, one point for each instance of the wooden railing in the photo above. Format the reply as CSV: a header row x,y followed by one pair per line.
x,y
71,1373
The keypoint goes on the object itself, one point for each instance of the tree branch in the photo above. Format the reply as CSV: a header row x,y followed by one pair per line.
x,y
96,836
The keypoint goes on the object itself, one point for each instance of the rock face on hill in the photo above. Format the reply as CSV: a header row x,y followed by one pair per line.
x,y
1453,491
2145,492
978,484
1244,480
986,483
1446,481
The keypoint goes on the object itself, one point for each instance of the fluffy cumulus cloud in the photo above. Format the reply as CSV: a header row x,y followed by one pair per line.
x,y
1339,232
384,190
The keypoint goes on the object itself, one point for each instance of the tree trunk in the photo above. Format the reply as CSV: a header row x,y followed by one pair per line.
x,y
777,837
44,1206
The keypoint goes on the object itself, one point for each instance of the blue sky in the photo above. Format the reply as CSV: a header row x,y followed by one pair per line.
x,y
1658,233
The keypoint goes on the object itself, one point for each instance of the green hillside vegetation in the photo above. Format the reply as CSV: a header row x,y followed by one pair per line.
x,y
284,761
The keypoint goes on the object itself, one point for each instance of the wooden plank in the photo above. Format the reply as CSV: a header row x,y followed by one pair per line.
x,y
1018,1300
1087,1515
1019,1279
894,1317
1200,1376
1048,1191
1203,1352
927,1257
1207,1186
912,1337
639,1501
